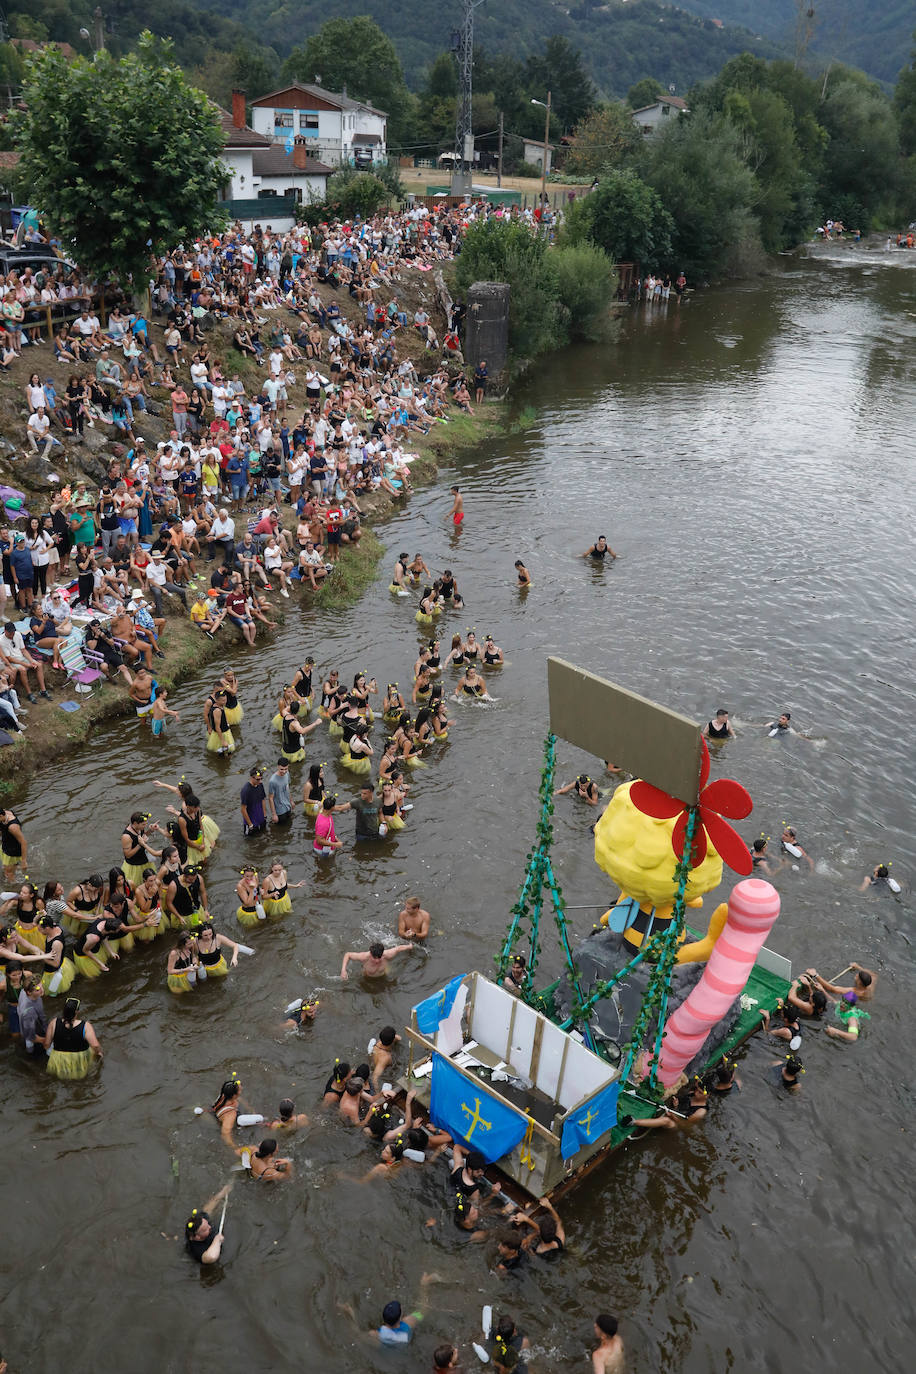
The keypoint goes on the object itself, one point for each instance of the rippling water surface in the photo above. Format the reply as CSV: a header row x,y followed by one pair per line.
x,y
750,458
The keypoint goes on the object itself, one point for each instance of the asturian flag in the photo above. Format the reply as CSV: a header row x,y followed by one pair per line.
x,y
584,1126
471,1114
437,1007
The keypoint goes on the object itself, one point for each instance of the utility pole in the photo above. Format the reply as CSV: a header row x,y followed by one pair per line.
x,y
499,165
546,146
99,25
463,47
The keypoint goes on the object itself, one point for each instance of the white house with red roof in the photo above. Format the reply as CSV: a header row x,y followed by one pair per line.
x,y
337,129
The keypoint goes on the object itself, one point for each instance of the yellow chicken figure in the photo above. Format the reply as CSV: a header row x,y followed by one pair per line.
x,y
635,851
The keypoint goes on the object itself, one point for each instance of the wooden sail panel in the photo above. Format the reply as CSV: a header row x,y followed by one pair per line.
x,y
658,745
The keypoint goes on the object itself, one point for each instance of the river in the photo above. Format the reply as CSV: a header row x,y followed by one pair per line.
x,y
750,458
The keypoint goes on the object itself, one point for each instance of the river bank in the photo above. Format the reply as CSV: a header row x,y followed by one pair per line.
x,y
53,733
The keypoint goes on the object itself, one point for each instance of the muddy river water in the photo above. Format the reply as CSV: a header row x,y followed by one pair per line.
x,y
750,457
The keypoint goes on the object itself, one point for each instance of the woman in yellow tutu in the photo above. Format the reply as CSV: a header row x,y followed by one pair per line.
x,y
181,966
136,847
360,693
358,757
329,688
59,971
91,948
294,733
24,910
283,700
210,946
84,904
145,905
275,890
302,684
191,829
220,739
72,1044
427,608
209,829
251,909
391,807
313,791
185,898
13,845
422,687
229,684
438,713
424,726
392,704
121,925
408,748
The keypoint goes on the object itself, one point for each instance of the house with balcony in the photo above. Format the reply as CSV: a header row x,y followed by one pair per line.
x,y
268,180
337,130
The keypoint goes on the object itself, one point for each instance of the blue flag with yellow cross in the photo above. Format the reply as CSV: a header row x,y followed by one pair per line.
x,y
437,1007
584,1126
471,1114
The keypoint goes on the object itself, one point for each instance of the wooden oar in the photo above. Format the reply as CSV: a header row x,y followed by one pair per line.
x,y
223,1214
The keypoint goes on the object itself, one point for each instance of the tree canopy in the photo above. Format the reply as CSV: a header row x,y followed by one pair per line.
x,y
354,54
625,217
121,156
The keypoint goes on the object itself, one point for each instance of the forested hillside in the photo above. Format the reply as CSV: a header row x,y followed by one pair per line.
x,y
620,42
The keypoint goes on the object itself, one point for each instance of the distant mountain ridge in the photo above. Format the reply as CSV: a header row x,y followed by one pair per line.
x,y
863,33
621,40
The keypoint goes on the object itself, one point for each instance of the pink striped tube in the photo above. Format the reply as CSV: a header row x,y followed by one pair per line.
x,y
752,911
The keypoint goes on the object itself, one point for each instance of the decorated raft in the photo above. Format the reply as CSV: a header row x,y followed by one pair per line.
x,y
543,1082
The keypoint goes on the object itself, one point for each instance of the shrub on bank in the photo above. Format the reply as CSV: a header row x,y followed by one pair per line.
x,y
556,295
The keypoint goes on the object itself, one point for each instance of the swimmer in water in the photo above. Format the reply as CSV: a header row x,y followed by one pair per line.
x,y
584,788
457,510
524,577
383,1051
725,1077
789,845
690,1108
720,728
413,921
759,856
472,685
599,551
398,583
807,998
880,880
863,983
607,1357
289,1119
850,1014
492,653
302,1015
374,960
779,726
418,568
266,1164
792,1069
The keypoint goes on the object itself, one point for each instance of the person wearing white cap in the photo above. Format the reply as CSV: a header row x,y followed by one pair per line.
x,y
158,576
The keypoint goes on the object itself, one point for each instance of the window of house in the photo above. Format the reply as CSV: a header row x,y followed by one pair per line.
x,y
308,123
666,109
283,119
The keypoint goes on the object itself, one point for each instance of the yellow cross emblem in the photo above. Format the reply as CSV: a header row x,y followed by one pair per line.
x,y
474,1118
586,1121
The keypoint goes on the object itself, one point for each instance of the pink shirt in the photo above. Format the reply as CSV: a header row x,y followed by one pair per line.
x,y
324,830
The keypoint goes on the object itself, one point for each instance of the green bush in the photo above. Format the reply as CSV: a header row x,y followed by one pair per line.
x,y
555,295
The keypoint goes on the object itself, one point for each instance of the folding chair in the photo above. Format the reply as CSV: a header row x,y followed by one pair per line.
x,y
81,664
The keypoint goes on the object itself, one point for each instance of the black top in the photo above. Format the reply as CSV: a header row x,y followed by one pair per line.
x,y
197,1248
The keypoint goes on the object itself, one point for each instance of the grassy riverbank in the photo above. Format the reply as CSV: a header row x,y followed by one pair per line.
x,y
52,733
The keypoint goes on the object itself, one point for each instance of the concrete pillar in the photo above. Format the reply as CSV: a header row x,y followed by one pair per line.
x,y
486,329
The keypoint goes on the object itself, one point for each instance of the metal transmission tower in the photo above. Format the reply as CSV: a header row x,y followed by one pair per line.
x,y
805,20
463,48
